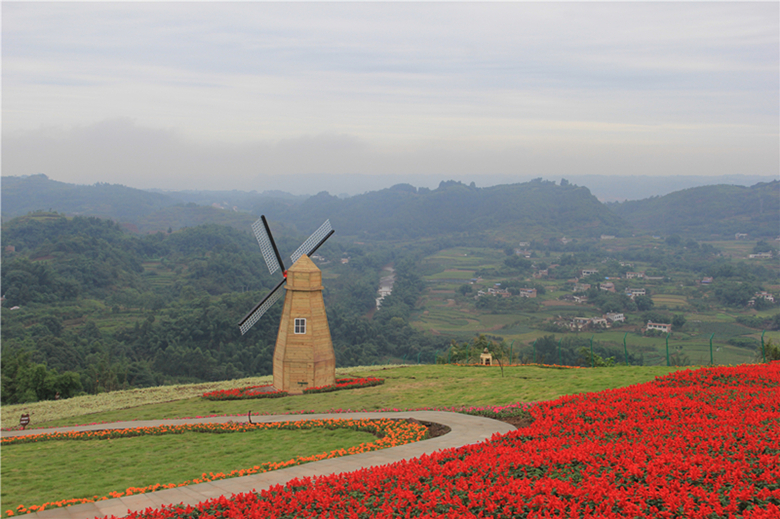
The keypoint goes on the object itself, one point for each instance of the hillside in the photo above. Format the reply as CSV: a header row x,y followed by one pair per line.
x,y
405,212
402,212
709,210
191,215
22,195
90,306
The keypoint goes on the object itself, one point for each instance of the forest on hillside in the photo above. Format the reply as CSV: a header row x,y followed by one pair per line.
x,y
538,207
100,309
708,210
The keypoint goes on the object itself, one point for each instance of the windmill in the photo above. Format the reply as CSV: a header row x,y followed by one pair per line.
x,y
303,356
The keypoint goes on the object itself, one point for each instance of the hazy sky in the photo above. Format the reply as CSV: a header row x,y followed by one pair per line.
x,y
190,95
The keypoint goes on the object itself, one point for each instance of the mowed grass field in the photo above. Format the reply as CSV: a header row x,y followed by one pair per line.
x,y
105,466
405,387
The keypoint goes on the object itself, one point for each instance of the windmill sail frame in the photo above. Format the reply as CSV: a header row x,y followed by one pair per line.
x,y
274,262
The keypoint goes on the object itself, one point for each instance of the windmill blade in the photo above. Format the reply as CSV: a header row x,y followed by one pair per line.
x,y
267,245
262,307
314,241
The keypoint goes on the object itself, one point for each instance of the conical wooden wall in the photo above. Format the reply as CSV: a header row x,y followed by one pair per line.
x,y
305,359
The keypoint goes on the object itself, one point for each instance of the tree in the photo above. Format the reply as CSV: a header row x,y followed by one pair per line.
x,y
596,360
678,321
643,303
772,351
762,246
23,381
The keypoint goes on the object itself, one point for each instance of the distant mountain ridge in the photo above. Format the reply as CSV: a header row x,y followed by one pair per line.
x,y
539,208
403,211
703,211
22,195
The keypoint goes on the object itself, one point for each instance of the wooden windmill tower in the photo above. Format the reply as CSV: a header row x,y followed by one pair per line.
x,y
303,356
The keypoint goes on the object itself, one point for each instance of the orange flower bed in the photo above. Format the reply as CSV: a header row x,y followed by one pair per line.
x,y
392,433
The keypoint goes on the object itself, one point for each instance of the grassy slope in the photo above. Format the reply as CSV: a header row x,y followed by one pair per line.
x,y
405,388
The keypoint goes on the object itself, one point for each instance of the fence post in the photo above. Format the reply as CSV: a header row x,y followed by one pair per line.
x,y
559,352
591,351
711,336
625,349
763,351
667,350
536,357
418,356
511,346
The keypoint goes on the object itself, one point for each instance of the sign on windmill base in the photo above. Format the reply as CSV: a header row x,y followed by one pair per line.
x,y
304,354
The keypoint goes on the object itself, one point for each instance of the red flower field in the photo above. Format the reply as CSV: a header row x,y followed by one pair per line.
x,y
694,444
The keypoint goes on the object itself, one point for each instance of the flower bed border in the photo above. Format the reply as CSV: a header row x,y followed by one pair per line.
x,y
251,392
389,432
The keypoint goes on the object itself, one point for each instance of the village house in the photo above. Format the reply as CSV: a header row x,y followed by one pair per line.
x,y
615,317
609,286
633,292
740,236
581,287
706,280
634,275
581,323
496,292
588,272
607,237
599,322
761,295
661,327
528,292
760,255
580,299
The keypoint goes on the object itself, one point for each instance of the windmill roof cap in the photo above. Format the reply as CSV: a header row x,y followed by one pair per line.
x,y
304,264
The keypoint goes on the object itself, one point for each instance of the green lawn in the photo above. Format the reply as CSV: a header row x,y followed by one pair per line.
x,y
36,473
405,388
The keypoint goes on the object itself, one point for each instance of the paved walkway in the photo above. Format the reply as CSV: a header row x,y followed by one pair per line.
x,y
465,430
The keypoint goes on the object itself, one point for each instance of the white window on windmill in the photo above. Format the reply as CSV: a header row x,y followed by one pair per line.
x,y
300,325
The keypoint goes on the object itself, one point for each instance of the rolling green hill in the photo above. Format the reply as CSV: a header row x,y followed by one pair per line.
x,y
709,210
405,212
21,195
402,212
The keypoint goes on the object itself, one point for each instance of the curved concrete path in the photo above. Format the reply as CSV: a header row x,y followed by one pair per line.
x,y
465,430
